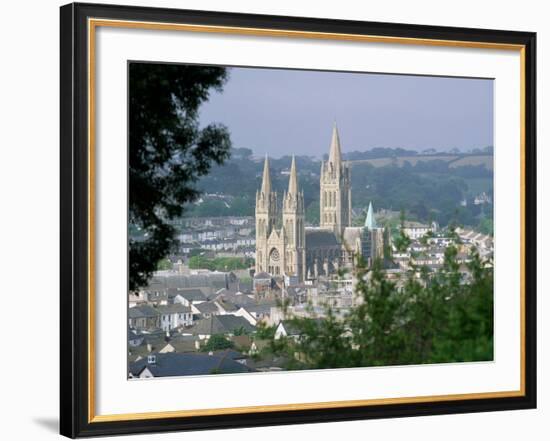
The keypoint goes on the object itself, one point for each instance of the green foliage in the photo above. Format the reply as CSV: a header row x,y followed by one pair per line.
x,y
265,332
486,226
164,264
402,241
168,153
217,342
433,318
196,252
240,331
220,263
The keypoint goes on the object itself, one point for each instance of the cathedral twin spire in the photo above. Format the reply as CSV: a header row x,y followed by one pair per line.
x,y
280,240
292,181
266,178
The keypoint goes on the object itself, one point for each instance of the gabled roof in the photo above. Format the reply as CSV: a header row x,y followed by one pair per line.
x,y
180,364
190,294
142,311
230,353
207,307
176,308
221,324
263,308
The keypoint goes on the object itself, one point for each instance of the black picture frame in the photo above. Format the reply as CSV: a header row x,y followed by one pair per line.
x,y
74,191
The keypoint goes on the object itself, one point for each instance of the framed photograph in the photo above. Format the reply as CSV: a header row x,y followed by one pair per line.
x,y
276,220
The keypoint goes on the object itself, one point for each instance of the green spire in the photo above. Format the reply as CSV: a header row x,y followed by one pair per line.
x,y
370,222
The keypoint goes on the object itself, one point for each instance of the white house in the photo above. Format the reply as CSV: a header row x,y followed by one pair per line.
x,y
416,230
174,316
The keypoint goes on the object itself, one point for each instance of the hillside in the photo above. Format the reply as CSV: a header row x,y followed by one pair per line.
x,y
451,160
426,186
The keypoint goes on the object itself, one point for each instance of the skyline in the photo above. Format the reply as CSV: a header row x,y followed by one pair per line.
x,y
371,110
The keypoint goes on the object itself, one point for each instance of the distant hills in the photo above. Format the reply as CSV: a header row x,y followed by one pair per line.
x,y
452,160
428,185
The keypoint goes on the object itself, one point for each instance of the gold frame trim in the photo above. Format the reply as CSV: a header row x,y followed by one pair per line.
x,y
92,25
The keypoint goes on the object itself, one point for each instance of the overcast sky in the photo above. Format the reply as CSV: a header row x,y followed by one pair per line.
x,y
291,111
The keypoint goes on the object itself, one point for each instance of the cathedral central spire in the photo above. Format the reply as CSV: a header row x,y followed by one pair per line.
x,y
266,179
293,180
335,156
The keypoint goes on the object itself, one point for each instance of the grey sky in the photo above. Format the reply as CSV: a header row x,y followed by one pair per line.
x,y
290,111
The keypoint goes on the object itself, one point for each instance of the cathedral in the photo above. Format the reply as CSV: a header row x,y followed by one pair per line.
x,y
285,246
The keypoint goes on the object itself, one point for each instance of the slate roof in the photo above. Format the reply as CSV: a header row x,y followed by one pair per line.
x,y
227,306
180,364
317,238
264,308
215,280
191,294
238,299
176,308
207,307
221,324
142,311
230,353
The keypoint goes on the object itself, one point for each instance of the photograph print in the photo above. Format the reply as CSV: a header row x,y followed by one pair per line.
x,y
284,220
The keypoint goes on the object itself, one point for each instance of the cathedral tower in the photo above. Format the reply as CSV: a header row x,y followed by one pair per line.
x,y
266,217
293,224
335,199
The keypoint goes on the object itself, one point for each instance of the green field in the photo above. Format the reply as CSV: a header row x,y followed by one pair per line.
x,y
486,160
452,160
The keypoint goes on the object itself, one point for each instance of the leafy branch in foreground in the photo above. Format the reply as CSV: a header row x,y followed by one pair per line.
x,y
168,153
429,318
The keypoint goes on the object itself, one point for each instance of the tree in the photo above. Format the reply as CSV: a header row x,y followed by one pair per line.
x,y
217,342
432,318
168,153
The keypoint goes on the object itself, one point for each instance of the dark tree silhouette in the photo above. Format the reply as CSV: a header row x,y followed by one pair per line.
x,y
168,154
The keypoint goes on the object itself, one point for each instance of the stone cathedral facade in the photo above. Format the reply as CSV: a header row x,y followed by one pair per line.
x,y
285,246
